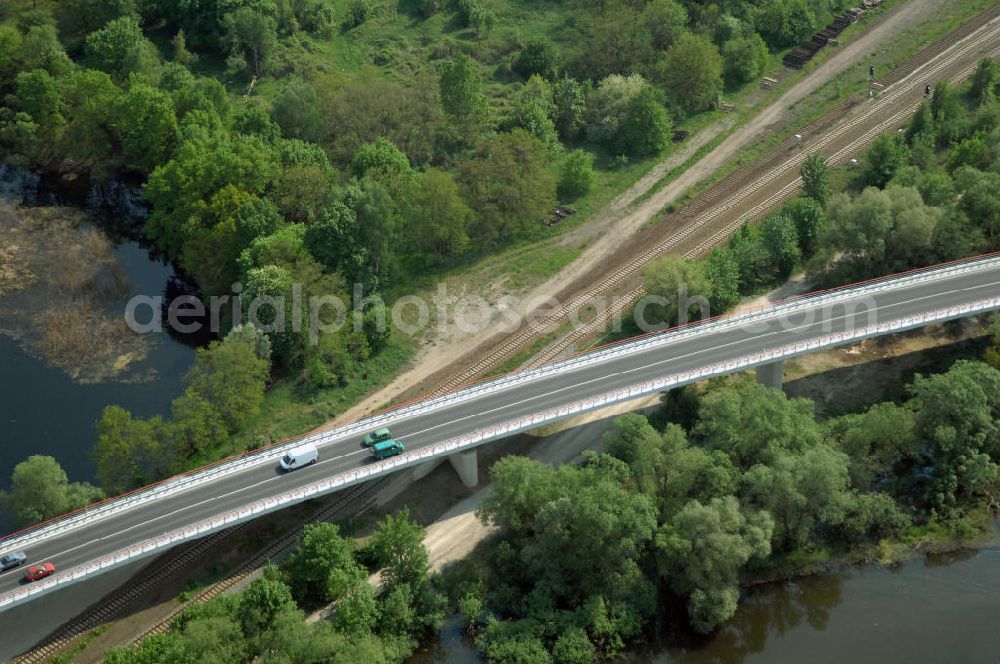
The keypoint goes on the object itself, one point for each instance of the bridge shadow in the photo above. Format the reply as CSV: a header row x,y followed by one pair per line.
x,y
850,379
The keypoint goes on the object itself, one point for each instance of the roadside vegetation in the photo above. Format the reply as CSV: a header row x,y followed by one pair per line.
x,y
739,483
918,197
330,144
378,623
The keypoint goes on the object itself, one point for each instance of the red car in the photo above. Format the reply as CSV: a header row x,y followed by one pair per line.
x,y
36,572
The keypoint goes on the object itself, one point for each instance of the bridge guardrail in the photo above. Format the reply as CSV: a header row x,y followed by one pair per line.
x,y
180,483
270,504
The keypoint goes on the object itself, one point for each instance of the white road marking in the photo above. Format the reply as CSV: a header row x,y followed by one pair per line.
x,y
575,386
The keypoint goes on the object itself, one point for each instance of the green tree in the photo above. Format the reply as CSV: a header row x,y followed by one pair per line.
x,y
90,98
691,73
803,491
252,38
980,198
885,156
753,424
132,452
409,117
462,95
541,511
196,424
358,613
248,333
666,22
398,548
478,15
231,378
815,178
781,239
752,259
608,106
576,175
204,164
40,49
871,517
533,110
297,111
537,57
992,355
951,119
380,158
957,425
182,55
76,17
680,289
115,47
436,218
40,490
876,441
263,599
807,215
323,555
37,94
702,550
723,273
880,231
647,127
508,184
784,23
143,121
569,96
574,647
744,59
613,39
984,81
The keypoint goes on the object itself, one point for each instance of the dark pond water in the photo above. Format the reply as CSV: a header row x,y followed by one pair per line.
x,y
42,410
941,609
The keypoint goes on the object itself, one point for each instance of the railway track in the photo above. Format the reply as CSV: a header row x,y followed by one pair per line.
x,y
897,118
113,604
244,571
709,218
117,602
710,211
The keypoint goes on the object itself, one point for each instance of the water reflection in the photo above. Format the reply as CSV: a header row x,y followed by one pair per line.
x,y
940,608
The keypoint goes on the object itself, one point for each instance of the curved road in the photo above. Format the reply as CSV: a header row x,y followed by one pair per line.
x,y
690,352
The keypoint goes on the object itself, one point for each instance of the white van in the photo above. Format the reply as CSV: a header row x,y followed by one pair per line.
x,y
299,457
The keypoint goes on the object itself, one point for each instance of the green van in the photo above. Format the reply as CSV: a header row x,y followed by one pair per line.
x,y
376,436
386,449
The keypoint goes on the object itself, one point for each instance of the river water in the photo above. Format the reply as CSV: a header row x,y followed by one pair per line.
x,y
936,609
42,409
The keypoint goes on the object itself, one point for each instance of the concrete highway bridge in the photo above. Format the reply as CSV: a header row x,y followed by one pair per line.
x,y
189,506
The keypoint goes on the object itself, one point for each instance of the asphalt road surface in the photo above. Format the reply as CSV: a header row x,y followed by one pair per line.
x,y
117,532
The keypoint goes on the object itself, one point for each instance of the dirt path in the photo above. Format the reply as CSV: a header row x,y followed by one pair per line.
x,y
614,225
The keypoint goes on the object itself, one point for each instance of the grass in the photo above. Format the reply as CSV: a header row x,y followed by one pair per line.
x,y
69,655
851,82
288,411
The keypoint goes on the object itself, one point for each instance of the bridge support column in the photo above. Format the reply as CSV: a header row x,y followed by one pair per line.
x,y
771,375
424,469
466,464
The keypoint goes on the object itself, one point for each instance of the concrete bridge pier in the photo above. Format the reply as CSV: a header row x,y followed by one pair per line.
x,y
771,375
466,464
